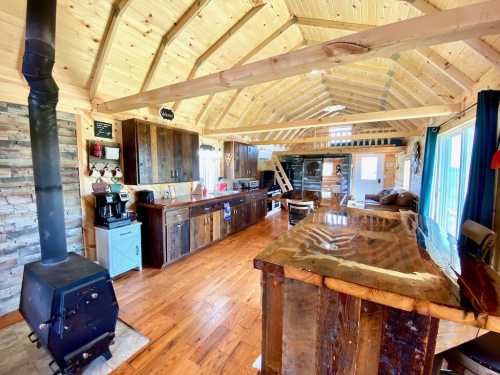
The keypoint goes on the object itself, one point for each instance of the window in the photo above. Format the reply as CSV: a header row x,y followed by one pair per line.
x,y
407,174
345,132
453,155
369,165
209,168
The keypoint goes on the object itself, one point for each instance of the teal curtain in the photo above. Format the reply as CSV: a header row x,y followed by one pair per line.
x,y
428,170
480,196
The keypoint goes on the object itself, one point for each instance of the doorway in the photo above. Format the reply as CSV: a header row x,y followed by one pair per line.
x,y
368,175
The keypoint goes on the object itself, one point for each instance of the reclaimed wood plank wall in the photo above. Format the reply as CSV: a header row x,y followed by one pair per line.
x,y
19,240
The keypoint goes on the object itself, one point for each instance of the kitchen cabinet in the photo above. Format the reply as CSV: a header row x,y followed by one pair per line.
x,y
200,231
240,160
119,249
177,232
172,233
155,154
186,160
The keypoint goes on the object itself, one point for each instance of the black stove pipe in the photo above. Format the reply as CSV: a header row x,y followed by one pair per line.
x,y
38,61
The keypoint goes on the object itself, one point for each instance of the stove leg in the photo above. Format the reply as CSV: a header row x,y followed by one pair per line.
x,y
107,354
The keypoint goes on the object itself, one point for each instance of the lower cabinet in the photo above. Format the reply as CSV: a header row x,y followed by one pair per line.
x,y
119,249
170,234
177,240
200,231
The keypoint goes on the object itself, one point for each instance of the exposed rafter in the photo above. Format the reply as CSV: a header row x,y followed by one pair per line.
x,y
169,37
360,118
331,24
254,51
442,27
482,48
220,42
445,67
118,8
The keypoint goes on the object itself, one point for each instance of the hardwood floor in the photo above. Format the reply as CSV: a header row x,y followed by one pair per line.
x,y
203,313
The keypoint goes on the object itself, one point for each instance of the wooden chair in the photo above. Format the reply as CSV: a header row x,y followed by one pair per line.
x,y
297,210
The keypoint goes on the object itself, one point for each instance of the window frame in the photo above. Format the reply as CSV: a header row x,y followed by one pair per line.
x,y
463,175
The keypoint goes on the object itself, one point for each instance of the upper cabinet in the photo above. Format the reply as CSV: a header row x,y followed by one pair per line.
x,y
155,154
240,160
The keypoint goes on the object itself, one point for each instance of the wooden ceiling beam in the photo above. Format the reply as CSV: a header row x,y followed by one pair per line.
x,y
442,27
254,51
227,107
188,16
445,67
118,8
345,150
331,24
323,139
360,118
219,43
481,47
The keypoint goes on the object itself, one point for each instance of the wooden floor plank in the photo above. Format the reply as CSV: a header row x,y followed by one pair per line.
x,y
203,313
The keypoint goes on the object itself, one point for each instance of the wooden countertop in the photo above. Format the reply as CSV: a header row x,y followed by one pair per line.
x,y
185,201
387,258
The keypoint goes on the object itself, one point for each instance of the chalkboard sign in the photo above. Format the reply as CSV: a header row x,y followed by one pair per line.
x,y
103,129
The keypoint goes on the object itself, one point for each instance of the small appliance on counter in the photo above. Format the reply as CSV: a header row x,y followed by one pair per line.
x,y
110,209
146,196
273,202
246,184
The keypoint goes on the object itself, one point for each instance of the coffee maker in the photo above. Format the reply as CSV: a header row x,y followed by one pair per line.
x,y
110,209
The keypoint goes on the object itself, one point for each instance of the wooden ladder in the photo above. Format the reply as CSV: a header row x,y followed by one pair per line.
x,y
281,176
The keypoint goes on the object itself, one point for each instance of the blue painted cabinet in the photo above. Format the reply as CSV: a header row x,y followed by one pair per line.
x,y
119,249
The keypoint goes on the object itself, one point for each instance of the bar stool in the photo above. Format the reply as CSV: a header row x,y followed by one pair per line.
x,y
297,210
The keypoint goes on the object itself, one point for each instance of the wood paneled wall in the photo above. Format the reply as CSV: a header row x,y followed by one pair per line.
x,y
19,240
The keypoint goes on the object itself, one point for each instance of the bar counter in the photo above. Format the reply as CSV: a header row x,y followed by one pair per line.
x,y
358,291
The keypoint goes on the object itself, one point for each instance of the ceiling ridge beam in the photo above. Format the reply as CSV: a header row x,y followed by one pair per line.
x,y
360,118
169,37
220,42
478,45
118,8
383,41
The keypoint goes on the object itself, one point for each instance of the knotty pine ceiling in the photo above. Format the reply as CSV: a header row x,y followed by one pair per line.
x,y
406,80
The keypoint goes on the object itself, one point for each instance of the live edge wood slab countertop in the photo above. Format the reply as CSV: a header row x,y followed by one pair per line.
x,y
387,258
184,201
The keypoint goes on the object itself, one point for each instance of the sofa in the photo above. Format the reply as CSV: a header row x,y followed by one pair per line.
x,y
393,199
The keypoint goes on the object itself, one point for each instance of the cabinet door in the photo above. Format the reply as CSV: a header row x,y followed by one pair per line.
x,y
216,225
165,155
235,219
144,159
226,226
129,152
200,231
253,160
253,211
186,146
241,156
262,208
125,250
177,240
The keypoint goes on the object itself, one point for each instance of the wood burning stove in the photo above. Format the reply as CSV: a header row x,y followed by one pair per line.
x,y
67,300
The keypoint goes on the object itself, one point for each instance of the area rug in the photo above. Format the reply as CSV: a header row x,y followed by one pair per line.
x,y
19,356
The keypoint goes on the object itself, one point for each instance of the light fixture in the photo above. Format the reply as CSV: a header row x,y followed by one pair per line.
x,y
334,108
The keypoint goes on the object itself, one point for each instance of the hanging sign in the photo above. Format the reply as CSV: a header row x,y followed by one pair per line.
x,y
103,129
